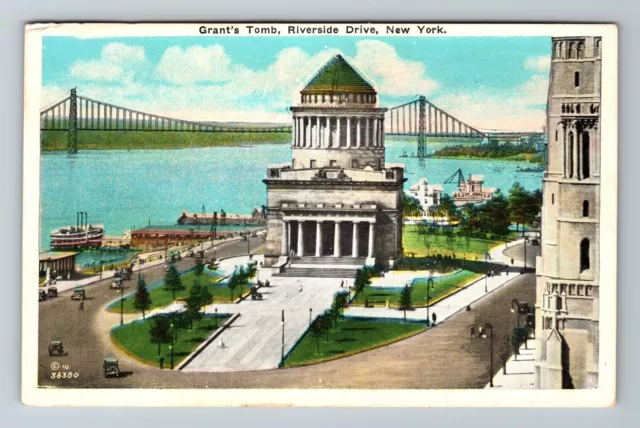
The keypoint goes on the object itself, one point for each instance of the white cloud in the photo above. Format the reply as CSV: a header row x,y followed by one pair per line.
x,y
195,64
393,75
539,64
116,62
512,109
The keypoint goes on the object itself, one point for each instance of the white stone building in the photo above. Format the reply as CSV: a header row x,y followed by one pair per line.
x,y
428,195
337,197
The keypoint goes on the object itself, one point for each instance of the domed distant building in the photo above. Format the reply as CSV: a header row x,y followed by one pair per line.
x,y
337,197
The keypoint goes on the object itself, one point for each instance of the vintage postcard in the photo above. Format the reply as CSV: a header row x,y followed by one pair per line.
x,y
388,214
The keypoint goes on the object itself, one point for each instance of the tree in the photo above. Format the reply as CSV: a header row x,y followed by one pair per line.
x,y
326,320
317,330
340,300
518,200
448,208
142,298
172,281
206,298
411,207
232,284
198,268
495,215
194,303
405,300
160,331
362,280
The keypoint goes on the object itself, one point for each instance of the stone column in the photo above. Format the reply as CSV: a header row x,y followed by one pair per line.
x,y
355,240
336,240
367,123
317,132
307,132
285,238
300,240
327,133
375,133
382,133
337,143
371,240
348,132
574,156
293,132
318,238
358,132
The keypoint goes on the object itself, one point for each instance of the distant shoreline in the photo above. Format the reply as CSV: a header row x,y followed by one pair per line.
x,y
520,157
56,141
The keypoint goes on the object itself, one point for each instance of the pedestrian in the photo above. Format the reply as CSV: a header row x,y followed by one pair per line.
x,y
434,318
81,305
161,361
221,344
386,303
511,262
300,289
342,284
468,308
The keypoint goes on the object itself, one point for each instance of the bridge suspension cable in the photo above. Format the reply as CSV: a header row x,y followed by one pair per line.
x,y
78,113
423,119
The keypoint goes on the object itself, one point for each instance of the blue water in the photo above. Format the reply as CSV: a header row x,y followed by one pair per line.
x,y
130,188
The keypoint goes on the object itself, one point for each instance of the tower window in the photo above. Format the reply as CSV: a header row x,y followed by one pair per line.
x,y
585,155
576,79
584,255
585,208
312,163
556,135
553,198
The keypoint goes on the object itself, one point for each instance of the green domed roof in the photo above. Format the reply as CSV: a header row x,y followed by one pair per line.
x,y
338,76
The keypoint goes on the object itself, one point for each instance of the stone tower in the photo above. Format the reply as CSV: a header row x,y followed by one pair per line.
x,y
337,198
568,283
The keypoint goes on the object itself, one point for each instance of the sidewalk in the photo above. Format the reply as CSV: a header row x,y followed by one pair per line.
x,y
519,370
444,308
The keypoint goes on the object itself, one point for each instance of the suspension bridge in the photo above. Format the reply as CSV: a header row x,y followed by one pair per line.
x,y
419,118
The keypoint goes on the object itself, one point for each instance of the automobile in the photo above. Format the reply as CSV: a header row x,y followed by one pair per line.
x,y
116,284
52,292
535,242
78,293
110,366
56,348
42,295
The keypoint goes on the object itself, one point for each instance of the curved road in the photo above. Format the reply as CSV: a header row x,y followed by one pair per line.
x,y
443,357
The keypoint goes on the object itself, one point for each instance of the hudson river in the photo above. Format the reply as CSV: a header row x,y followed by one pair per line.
x,y
125,189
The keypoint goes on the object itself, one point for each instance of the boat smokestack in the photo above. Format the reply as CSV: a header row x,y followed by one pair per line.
x,y
77,219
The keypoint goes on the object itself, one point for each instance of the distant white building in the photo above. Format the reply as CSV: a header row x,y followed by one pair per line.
x,y
429,195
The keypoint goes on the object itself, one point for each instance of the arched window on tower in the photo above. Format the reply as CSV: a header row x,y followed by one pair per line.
x,y
569,156
584,255
581,50
572,51
585,155
585,208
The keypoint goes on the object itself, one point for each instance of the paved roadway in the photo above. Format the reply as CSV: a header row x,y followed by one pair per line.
x,y
443,357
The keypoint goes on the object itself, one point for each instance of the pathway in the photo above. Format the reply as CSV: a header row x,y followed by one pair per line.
x,y
254,340
444,308
519,373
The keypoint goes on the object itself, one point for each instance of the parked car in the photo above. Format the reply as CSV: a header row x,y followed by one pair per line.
x,y
52,292
42,295
535,242
78,293
116,284
56,348
110,366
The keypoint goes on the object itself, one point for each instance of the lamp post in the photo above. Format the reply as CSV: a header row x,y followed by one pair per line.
x,y
526,240
121,304
482,334
486,275
429,288
215,249
100,263
310,312
216,316
282,346
172,343
515,307
520,307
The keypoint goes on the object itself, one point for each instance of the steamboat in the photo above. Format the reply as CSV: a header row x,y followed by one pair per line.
x,y
82,235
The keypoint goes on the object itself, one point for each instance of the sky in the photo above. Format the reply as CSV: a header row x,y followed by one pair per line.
x,y
488,82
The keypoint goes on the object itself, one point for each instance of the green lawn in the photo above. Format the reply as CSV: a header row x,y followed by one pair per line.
x,y
429,245
441,288
160,297
134,338
352,335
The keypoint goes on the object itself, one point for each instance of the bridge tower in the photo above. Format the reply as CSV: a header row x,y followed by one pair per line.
x,y
72,145
422,128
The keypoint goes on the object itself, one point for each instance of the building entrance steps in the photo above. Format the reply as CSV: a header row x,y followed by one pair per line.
x,y
316,272
329,260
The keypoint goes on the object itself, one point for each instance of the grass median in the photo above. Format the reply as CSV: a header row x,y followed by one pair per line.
x,y
135,340
350,337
